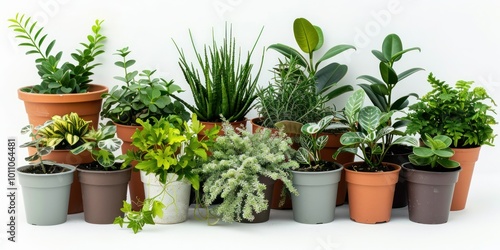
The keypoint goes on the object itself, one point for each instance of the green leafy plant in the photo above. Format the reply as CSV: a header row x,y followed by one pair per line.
x,y
101,143
311,142
290,96
59,79
143,96
460,112
380,91
436,153
42,149
368,129
310,39
165,145
225,86
64,131
238,158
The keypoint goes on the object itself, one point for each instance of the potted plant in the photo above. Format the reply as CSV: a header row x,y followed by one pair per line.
x,y
462,113
65,86
141,96
45,184
316,180
168,153
431,177
64,133
242,169
221,81
321,83
104,181
381,93
370,182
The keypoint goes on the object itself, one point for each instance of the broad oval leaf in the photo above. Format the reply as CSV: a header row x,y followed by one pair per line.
x,y
329,76
407,73
289,52
320,38
447,163
379,55
423,151
335,51
388,74
444,153
380,89
305,34
390,46
406,140
369,118
352,138
398,55
419,161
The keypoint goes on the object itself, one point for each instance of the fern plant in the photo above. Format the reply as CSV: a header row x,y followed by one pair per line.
x,y
222,83
59,77
238,158
461,112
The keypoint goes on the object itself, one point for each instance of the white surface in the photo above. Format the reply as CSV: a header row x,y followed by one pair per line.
x,y
459,41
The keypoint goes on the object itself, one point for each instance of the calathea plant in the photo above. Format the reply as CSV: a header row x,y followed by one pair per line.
x,y
59,78
311,143
168,145
42,149
437,152
310,39
143,95
462,113
368,129
232,172
380,90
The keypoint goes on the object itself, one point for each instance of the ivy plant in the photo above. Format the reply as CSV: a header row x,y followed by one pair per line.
x,y
460,112
165,145
59,77
142,96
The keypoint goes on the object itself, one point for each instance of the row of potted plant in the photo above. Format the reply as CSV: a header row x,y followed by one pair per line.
x,y
231,171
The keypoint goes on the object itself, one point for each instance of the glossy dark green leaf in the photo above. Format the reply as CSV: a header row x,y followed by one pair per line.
x,y
377,100
390,46
289,52
407,73
334,51
379,55
388,74
329,75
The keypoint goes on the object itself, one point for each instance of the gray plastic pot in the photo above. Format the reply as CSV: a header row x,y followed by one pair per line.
x,y
429,194
317,197
46,196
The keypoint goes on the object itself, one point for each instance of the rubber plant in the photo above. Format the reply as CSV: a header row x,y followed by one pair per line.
x,y
368,129
220,80
380,90
59,77
310,39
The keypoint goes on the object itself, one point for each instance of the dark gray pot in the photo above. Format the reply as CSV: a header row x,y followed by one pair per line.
x,y
317,197
46,196
429,194
268,194
398,154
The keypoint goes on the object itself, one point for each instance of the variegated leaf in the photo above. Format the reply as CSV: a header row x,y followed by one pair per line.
x,y
406,140
353,106
369,118
303,156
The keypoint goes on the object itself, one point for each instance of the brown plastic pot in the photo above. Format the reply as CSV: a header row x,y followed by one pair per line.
x,y
371,194
268,194
103,194
429,193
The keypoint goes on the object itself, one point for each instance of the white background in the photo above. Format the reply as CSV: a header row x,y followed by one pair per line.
x,y
459,41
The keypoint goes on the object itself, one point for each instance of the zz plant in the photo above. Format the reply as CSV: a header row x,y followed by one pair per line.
x,y
58,77
221,82
368,129
437,152
461,112
143,95
310,40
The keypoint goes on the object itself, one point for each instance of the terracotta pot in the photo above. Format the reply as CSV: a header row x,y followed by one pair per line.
x,y
371,193
41,107
65,156
135,185
278,186
210,125
268,195
429,193
467,158
332,145
103,194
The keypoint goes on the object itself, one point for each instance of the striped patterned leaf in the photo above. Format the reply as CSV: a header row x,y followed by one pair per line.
x,y
369,118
